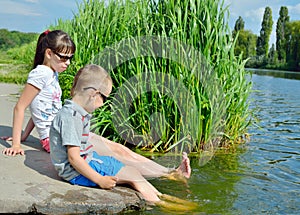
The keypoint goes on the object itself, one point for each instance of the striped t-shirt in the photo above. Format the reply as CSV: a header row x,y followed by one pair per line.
x,y
70,127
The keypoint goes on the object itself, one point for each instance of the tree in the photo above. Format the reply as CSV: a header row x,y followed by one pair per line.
x,y
272,56
293,44
246,44
265,32
281,33
239,25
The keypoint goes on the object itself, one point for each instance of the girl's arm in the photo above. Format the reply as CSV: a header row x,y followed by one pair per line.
x,y
30,125
28,129
105,182
24,101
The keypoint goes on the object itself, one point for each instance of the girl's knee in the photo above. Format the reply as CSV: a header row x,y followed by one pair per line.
x,y
130,173
131,169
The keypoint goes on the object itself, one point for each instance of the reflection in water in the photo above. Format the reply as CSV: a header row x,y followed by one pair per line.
x,y
211,186
276,73
263,176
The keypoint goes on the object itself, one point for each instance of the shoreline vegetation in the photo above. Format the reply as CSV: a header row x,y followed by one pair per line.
x,y
200,25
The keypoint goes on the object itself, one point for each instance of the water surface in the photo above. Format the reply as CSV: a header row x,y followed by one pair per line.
x,y
261,176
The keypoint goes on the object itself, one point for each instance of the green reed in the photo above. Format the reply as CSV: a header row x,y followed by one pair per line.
x,y
155,120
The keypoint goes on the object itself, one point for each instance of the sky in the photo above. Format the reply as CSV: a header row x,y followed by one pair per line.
x,y
37,15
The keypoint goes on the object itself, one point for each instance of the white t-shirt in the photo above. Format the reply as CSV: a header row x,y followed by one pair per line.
x,y
47,103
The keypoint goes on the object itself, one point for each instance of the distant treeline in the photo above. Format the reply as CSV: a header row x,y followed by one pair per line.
x,y
12,39
283,55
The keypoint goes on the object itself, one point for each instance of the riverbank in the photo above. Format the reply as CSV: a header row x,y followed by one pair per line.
x,y
276,73
29,183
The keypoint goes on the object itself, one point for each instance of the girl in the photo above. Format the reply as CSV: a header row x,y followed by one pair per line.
x,y
42,92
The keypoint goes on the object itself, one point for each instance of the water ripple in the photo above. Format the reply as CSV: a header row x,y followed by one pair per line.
x,y
274,150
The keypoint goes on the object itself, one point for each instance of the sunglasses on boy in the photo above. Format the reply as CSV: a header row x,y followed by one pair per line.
x,y
104,97
63,58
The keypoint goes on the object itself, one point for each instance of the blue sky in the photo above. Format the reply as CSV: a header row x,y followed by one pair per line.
x,y
36,15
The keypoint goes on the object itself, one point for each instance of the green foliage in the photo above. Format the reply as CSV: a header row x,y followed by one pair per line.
x,y
17,55
273,56
245,44
265,32
239,25
293,45
11,39
281,33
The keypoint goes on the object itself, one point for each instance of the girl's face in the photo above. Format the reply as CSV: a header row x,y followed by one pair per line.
x,y
58,62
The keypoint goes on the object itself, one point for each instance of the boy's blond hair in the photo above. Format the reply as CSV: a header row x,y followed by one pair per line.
x,y
93,76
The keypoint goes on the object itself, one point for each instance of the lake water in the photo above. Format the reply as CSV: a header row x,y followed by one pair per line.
x,y
263,175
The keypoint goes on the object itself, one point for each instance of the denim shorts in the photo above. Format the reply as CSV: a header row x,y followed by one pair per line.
x,y
104,165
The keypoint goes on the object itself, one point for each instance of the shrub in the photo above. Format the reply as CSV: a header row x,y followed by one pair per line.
x,y
212,86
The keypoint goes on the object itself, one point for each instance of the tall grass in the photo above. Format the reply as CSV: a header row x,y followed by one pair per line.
x,y
163,101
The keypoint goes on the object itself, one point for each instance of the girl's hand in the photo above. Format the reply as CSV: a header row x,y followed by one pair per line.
x,y
13,151
107,182
7,138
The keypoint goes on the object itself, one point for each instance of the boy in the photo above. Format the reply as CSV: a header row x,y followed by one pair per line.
x,y
73,156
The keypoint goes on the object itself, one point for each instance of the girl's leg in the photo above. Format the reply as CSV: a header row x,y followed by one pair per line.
x,y
130,175
46,144
145,166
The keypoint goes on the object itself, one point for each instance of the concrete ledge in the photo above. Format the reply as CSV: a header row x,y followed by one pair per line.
x,y
30,184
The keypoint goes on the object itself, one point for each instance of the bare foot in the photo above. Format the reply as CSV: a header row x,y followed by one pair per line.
x,y
184,169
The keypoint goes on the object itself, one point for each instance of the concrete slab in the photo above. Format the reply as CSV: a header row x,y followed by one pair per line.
x,y
30,184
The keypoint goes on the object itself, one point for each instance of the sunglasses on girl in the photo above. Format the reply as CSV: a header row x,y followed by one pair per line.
x,y
63,58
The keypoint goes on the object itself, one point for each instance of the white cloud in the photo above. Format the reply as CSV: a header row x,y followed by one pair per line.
x,y
255,15
294,12
11,7
32,1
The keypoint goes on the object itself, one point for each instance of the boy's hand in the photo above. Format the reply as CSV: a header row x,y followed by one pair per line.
x,y
14,150
107,182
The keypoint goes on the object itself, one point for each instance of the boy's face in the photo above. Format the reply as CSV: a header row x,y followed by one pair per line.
x,y
101,95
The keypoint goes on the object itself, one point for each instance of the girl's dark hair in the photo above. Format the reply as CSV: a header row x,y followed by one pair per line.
x,y
57,40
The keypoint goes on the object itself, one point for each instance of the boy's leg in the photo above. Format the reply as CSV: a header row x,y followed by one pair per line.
x,y
130,175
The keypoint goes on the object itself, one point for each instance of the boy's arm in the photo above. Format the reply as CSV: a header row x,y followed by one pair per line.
x,y
81,166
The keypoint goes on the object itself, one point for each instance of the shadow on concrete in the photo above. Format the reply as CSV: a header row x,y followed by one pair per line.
x,y
36,157
31,141
40,161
